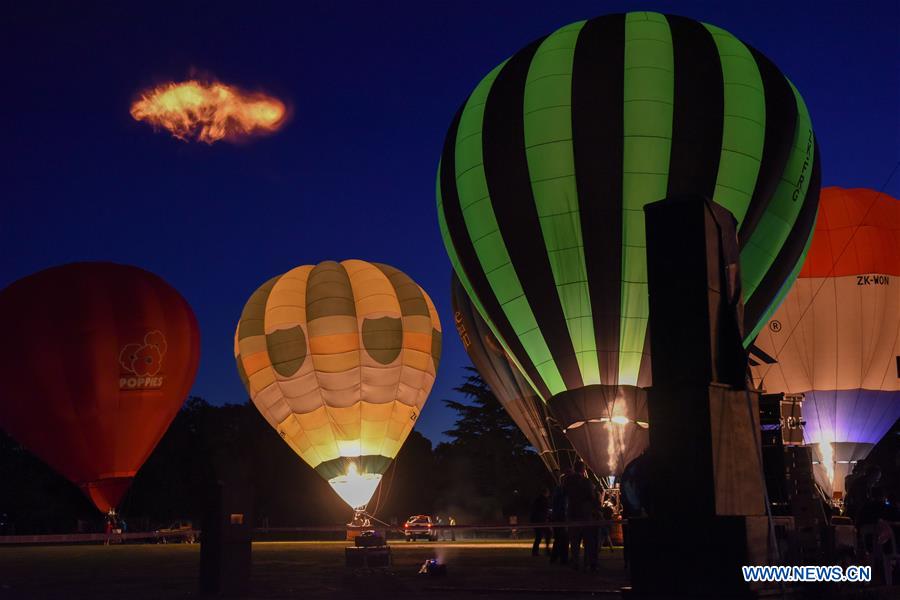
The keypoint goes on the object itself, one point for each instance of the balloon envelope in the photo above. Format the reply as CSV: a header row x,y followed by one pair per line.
x,y
836,337
339,358
98,359
547,166
522,404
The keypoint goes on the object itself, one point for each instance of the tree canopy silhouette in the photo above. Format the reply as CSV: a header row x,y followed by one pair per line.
x,y
489,469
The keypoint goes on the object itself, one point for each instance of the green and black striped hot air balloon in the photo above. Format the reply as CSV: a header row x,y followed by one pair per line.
x,y
543,178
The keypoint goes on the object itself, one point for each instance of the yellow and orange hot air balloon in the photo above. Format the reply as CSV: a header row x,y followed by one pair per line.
x,y
339,358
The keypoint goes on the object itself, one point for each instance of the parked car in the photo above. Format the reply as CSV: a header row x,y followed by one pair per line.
x,y
179,531
419,526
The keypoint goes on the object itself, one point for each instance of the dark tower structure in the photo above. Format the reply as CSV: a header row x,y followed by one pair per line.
x,y
707,485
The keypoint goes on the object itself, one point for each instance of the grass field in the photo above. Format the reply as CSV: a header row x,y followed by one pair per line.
x,y
308,570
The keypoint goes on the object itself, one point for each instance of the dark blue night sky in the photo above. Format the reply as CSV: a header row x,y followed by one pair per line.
x,y
372,87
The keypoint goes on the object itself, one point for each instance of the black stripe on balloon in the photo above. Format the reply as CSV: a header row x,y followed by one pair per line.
x,y
792,250
409,294
698,112
781,121
645,371
598,80
759,353
509,186
468,258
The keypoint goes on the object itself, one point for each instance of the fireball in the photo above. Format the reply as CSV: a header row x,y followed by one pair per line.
x,y
209,112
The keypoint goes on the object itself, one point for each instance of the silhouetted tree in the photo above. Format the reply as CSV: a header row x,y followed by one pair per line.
x,y
488,469
33,497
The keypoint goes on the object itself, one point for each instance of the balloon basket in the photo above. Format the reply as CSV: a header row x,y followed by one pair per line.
x,y
370,549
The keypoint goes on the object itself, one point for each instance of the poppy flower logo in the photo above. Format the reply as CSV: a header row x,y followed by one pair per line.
x,y
144,360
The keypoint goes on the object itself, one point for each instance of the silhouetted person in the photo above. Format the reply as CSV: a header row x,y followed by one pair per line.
x,y
439,527
582,498
859,489
108,529
635,496
875,531
540,514
892,509
873,509
607,514
591,533
559,507
852,486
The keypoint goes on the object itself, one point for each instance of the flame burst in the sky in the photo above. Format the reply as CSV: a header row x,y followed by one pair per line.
x,y
208,112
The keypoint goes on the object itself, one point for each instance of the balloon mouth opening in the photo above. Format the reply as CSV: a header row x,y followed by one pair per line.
x,y
612,406
620,420
355,488
106,494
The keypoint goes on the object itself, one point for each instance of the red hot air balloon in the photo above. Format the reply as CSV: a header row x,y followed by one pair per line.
x,y
96,362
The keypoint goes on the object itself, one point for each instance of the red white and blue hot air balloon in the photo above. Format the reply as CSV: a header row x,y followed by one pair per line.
x,y
836,337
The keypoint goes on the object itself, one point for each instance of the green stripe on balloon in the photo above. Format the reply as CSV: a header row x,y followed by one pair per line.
x,y
744,123
481,224
512,200
760,307
551,168
750,335
777,221
781,124
500,327
648,103
451,249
